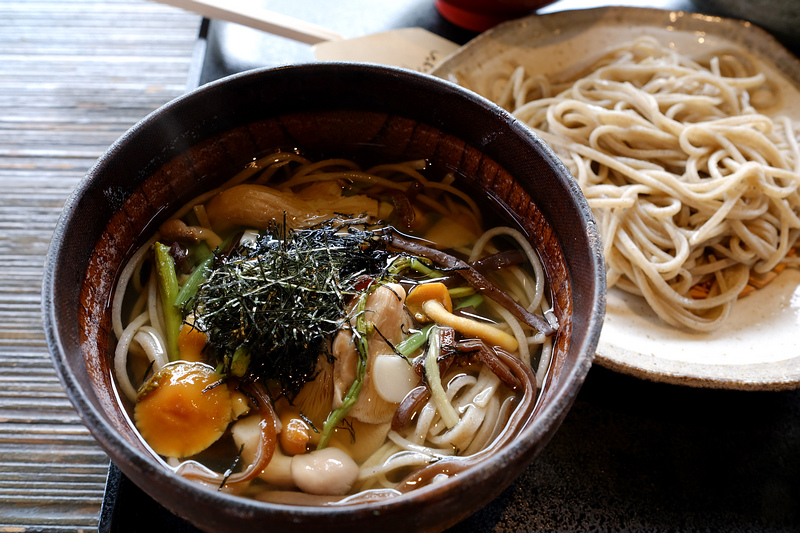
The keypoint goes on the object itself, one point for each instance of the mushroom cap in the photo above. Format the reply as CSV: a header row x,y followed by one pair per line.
x,y
180,412
327,471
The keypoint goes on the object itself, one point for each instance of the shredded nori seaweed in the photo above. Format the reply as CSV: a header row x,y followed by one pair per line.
x,y
282,298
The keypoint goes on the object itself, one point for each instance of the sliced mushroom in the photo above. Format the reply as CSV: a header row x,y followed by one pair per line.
x,y
385,309
344,367
176,230
257,206
316,397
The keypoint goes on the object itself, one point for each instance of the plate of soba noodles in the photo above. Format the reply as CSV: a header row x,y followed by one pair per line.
x,y
340,297
682,131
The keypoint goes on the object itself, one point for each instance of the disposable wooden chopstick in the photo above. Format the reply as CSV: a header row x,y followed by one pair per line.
x,y
413,48
261,19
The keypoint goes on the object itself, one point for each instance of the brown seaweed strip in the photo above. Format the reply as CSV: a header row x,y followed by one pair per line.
x,y
488,355
409,406
499,260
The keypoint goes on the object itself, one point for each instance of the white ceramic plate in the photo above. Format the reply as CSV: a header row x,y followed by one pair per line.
x,y
759,346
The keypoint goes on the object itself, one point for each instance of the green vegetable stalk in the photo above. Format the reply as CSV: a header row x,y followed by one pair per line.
x,y
422,268
193,282
240,362
473,300
199,275
413,341
362,330
446,410
168,290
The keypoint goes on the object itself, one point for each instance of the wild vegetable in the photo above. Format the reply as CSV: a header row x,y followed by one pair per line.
x,y
270,307
168,288
472,276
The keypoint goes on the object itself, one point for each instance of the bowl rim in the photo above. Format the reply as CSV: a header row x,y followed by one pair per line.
x,y
115,445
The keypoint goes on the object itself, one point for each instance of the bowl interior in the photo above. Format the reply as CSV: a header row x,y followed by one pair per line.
x,y
368,113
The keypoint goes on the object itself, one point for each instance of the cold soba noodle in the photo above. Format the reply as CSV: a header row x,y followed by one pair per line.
x,y
693,185
277,339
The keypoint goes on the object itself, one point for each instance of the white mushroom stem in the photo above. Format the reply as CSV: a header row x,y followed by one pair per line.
x,y
257,206
471,328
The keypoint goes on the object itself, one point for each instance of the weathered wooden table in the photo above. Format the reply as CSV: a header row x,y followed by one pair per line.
x,y
74,75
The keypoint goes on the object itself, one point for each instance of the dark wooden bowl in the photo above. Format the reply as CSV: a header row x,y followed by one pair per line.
x,y
368,112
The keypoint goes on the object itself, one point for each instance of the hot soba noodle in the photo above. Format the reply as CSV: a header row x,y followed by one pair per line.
x,y
694,186
311,332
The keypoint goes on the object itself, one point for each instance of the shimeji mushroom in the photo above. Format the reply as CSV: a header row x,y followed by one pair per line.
x,y
467,326
431,302
326,471
247,436
329,471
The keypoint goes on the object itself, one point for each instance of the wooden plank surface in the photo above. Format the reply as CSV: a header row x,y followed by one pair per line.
x,y
74,75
